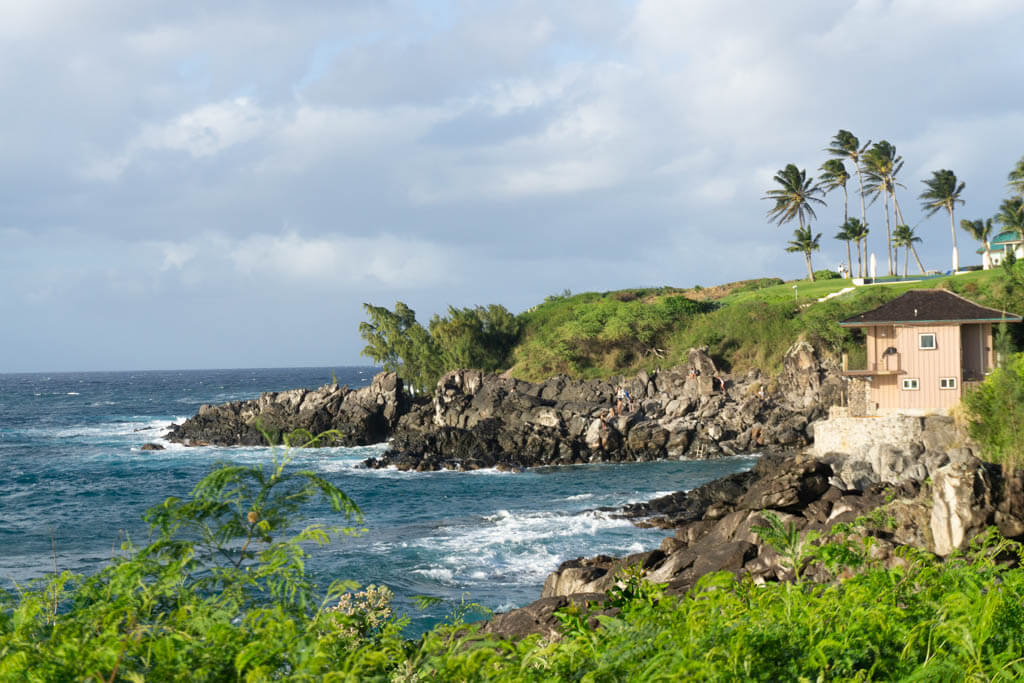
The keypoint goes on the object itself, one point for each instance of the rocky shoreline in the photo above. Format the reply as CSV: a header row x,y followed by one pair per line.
x,y
477,420
932,494
936,499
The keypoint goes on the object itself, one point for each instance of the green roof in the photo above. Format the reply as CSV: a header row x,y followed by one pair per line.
x,y
1006,237
1003,240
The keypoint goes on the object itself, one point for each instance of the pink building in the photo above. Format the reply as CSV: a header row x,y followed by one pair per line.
x,y
922,348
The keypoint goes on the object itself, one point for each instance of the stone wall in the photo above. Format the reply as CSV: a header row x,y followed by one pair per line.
x,y
859,393
852,435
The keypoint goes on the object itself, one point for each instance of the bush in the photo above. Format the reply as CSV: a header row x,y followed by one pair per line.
x,y
826,275
996,411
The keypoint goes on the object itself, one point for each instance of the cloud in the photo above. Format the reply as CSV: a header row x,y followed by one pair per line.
x,y
202,132
463,152
386,261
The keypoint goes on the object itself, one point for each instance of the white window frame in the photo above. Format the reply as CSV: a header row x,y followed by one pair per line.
x,y
947,383
911,384
920,341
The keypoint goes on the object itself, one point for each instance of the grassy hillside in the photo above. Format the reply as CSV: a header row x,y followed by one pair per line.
x,y
744,324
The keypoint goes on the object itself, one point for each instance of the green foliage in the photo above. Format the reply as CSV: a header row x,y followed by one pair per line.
x,y
221,593
928,620
794,196
400,344
826,275
749,324
594,334
997,413
480,338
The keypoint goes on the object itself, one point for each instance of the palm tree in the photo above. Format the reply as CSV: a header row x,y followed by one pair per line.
x,y
943,193
845,145
833,175
1016,178
1011,214
881,166
903,236
794,197
845,235
980,230
858,232
804,242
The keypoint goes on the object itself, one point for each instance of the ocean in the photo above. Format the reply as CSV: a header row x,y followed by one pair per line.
x,y
74,483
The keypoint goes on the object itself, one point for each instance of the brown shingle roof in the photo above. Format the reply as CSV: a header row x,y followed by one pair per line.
x,y
929,305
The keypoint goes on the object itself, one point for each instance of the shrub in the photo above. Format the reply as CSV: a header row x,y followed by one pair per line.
x,y
996,410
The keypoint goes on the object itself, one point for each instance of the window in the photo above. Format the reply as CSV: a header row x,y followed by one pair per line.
x,y
926,341
910,384
947,383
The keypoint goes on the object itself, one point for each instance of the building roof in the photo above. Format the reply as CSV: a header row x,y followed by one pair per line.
x,y
929,306
1006,237
1003,240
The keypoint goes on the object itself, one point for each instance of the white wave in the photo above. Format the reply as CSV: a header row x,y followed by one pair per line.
x,y
643,497
73,393
442,574
106,429
518,547
580,496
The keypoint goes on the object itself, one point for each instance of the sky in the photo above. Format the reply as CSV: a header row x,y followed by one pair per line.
x,y
217,185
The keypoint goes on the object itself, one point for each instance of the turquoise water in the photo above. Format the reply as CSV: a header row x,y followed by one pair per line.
x,y
73,479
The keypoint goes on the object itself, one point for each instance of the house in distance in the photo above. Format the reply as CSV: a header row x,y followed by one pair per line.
x,y
1007,242
922,348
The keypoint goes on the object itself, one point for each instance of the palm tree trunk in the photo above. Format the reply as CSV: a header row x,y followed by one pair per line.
x,y
810,271
863,220
896,210
913,249
849,259
952,229
897,214
888,235
860,263
860,180
846,201
906,260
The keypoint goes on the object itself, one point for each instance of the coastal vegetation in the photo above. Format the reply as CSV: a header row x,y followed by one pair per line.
x,y
222,593
745,325
479,338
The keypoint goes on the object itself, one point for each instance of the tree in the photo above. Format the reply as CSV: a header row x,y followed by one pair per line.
x,y
845,235
805,243
795,196
834,175
943,192
845,145
881,166
400,344
1011,214
858,232
903,236
1015,179
479,338
980,230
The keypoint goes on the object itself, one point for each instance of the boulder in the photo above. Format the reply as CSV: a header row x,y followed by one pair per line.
x,y
962,496
363,416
